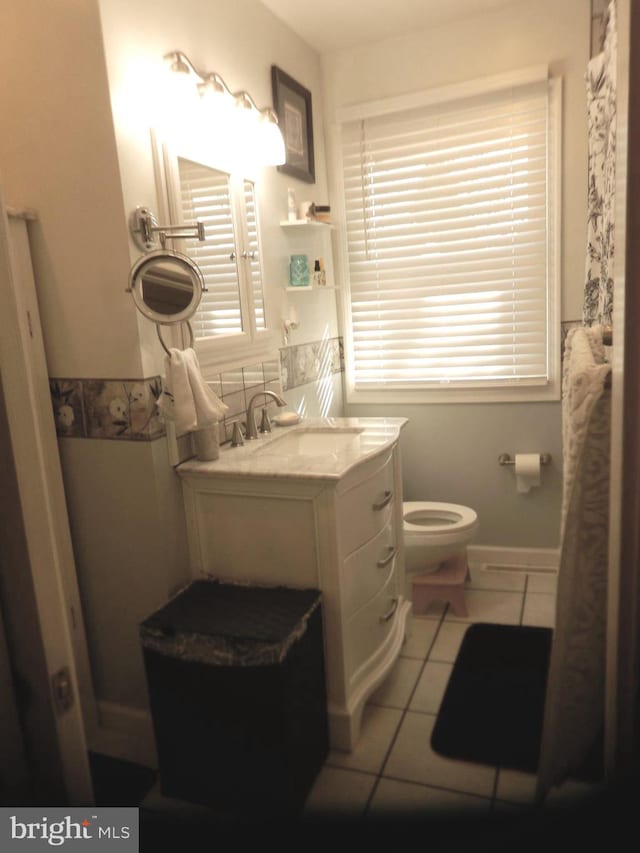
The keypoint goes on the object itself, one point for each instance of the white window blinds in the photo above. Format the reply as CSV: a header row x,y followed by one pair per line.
x,y
205,195
448,219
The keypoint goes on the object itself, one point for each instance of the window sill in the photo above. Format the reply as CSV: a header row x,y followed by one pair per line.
x,y
511,394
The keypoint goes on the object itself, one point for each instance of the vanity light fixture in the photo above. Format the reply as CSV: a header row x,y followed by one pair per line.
x,y
255,128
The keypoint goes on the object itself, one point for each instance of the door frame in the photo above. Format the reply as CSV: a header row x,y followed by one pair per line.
x,y
622,697
36,458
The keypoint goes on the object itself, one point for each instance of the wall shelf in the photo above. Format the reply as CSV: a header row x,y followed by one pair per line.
x,y
313,239
310,287
305,223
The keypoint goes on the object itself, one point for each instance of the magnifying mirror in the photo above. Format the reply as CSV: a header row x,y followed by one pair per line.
x,y
166,286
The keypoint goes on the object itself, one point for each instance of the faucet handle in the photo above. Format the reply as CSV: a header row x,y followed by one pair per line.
x,y
265,423
237,437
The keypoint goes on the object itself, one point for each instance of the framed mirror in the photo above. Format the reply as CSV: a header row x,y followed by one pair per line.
x,y
166,286
194,184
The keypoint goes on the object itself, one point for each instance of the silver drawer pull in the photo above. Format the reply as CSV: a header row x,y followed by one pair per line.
x,y
388,615
383,503
386,560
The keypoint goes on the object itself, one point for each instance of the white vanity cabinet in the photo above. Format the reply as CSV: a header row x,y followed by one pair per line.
x,y
340,534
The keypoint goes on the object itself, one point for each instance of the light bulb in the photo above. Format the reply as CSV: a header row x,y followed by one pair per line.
x,y
271,146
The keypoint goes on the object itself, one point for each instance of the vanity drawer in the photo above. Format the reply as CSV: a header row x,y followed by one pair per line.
x,y
366,509
368,569
370,626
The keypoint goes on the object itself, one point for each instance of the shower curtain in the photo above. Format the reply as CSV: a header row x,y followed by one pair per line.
x,y
601,111
574,707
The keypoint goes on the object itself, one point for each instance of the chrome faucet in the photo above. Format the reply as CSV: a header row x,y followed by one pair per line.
x,y
252,431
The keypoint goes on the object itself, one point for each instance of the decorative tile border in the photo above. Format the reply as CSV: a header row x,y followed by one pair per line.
x,y
304,363
120,409
125,409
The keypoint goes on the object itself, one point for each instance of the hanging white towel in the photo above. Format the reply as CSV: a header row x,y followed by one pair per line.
x,y
187,399
574,707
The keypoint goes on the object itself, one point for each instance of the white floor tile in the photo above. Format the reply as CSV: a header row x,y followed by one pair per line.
x,y
156,801
395,691
419,638
503,808
516,787
484,605
539,609
483,578
435,610
339,792
571,791
448,642
431,686
413,760
392,796
379,726
540,582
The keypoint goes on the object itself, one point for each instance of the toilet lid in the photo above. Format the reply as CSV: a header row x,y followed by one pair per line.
x,y
437,517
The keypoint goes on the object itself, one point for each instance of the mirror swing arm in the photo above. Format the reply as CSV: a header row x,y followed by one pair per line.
x,y
166,285
143,225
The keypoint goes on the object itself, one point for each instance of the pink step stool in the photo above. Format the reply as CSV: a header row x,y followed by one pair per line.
x,y
445,584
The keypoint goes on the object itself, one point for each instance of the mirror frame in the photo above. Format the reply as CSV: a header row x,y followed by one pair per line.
x,y
250,343
135,286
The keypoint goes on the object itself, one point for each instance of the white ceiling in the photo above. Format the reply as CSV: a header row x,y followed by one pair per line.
x,y
329,25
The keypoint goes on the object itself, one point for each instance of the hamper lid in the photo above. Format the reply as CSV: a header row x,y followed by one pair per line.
x,y
227,623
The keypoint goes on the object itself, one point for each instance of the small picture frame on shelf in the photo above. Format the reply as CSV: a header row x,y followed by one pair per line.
x,y
292,104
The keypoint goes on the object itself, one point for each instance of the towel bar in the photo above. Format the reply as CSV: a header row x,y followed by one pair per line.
x,y
164,346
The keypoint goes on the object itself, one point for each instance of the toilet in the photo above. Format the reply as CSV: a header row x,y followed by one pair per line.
x,y
434,532
436,536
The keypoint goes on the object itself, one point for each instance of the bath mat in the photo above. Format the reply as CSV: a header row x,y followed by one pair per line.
x,y
492,711
493,707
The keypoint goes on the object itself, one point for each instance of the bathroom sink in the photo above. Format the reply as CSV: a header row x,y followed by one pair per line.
x,y
310,442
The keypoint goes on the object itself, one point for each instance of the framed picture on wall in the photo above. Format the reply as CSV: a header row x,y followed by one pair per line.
x,y
292,103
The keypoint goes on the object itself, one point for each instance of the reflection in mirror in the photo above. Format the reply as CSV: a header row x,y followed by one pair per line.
x,y
166,286
205,195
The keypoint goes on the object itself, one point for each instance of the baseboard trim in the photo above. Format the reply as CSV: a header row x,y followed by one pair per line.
x,y
525,560
126,733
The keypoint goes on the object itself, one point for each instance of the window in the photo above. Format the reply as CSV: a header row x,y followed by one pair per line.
x,y
451,210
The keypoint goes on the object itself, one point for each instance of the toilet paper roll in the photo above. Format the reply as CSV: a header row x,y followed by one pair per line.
x,y
527,471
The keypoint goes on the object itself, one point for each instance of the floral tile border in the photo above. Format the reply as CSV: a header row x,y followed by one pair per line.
x,y
125,409
303,363
119,409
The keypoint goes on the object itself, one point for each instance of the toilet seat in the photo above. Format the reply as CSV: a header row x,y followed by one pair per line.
x,y
440,522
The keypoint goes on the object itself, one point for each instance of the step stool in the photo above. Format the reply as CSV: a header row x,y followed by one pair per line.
x,y
445,584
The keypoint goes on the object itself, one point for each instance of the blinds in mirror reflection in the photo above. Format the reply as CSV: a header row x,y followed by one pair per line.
x,y
205,195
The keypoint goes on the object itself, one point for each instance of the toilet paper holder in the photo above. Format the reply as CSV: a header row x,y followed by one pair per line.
x,y
506,459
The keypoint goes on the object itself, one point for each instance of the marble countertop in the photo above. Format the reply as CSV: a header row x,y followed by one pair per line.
x,y
364,438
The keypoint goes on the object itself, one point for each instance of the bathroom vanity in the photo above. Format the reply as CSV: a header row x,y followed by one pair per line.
x,y
317,505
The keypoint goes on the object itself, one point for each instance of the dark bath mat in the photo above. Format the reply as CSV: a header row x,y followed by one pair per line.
x,y
492,711
119,783
493,708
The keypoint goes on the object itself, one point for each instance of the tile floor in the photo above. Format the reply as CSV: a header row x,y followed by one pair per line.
x,y
393,769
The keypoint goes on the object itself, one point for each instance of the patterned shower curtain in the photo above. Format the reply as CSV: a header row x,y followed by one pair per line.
x,y
601,104
574,706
